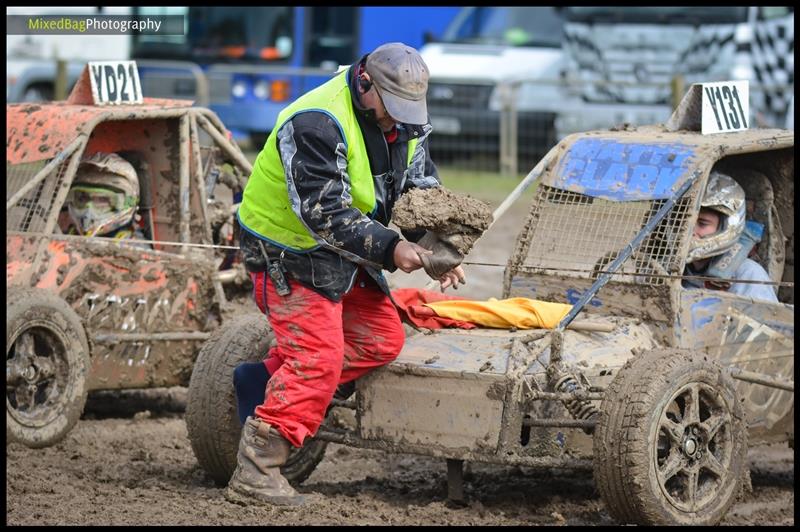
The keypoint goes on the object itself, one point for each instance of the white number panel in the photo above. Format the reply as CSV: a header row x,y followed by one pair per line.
x,y
726,107
115,82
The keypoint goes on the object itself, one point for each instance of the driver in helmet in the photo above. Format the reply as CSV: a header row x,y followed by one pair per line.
x,y
103,198
722,241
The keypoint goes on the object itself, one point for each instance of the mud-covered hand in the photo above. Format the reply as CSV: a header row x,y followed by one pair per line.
x,y
408,256
445,256
453,278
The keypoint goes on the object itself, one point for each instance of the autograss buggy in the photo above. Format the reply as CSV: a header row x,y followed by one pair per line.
x,y
661,407
88,314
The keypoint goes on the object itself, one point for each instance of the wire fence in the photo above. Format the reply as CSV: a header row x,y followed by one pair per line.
x,y
503,128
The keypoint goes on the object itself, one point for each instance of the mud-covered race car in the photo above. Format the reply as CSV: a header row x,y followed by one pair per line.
x,y
95,313
662,405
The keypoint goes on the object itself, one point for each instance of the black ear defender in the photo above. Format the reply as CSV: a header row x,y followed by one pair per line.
x,y
364,83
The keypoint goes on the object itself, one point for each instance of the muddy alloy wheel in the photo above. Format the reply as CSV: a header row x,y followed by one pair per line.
x,y
47,363
670,446
211,418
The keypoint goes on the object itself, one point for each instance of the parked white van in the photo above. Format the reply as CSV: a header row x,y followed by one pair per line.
x,y
481,48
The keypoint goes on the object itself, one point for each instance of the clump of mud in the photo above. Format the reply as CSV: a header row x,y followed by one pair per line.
x,y
459,218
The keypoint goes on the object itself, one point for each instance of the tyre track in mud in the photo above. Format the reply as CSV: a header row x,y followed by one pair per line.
x,y
140,470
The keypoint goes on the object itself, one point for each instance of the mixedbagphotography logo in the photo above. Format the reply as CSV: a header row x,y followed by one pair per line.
x,y
94,24
40,24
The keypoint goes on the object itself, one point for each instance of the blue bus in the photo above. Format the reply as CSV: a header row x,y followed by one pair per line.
x,y
259,59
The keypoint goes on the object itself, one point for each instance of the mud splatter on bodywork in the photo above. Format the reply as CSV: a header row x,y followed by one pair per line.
x,y
441,374
145,311
750,335
119,291
35,132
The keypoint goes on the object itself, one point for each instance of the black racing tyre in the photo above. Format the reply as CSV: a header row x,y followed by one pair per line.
x,y
670,446
47,366
211,418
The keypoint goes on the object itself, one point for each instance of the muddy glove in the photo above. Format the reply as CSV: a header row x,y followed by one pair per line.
x,y
445,257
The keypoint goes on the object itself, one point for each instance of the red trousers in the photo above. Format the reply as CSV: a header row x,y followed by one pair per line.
x,y
320,345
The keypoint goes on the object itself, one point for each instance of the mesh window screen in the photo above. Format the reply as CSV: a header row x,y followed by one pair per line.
x,y
32,210
579,236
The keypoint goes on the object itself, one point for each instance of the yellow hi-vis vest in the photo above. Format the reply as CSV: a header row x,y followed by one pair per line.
x,y
266,209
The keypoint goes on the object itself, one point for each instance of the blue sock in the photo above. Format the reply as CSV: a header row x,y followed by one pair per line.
x,y
250,382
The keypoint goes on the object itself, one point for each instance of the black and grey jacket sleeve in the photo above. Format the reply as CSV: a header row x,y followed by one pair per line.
x,y
422,173
314,157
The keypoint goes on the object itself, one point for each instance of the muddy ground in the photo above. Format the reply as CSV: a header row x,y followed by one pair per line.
x,y
140,470
129,462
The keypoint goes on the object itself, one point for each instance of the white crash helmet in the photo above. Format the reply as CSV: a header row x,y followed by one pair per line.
x,y
104,194
726,197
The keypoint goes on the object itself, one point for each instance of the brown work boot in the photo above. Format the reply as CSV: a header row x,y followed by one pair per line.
x,y
262,451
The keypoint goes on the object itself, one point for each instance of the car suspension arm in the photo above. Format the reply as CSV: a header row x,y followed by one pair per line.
x,y
760,378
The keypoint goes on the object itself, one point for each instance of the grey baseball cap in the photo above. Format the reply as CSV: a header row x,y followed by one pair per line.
x,y
401,78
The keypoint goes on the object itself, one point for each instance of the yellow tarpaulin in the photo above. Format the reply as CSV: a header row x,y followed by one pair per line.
x,y
519,312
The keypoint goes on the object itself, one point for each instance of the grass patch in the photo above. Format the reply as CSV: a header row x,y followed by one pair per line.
x,y
490,187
